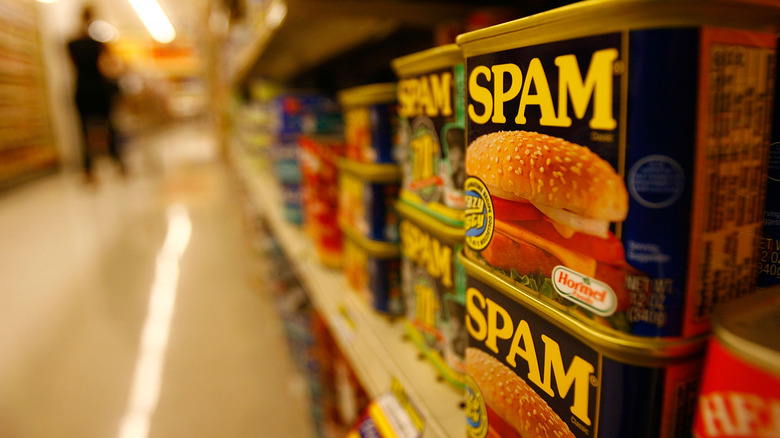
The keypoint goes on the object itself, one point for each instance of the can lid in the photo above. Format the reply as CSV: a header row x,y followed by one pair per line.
x,y
371,172
436,227
750,327
375,248
368,94
427,60
595,17
626,348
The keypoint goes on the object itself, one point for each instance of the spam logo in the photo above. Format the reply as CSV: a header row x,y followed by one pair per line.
x,y
487,322
493,89
425,250
428,95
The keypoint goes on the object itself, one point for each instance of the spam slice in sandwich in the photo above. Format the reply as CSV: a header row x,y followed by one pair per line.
x,y
554,202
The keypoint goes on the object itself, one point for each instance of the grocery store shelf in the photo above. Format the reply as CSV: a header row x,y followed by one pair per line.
x,y
375,345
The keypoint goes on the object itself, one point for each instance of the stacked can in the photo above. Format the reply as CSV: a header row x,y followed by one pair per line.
x,y
432,138
369,179
616,165
295,115
740,388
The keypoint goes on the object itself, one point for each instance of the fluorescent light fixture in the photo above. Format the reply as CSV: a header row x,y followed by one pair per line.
x,y
275,14
155,20
102,31
47,1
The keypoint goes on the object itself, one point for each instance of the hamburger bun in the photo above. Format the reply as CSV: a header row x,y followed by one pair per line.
x,y
548,172
512,399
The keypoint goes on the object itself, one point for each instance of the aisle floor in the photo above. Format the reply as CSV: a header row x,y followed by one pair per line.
x,y
132,309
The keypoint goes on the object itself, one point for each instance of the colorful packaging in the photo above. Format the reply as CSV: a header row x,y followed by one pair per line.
x,y
432,134
434,290
535,371
740,388
617,157
319,166
367,196
373,269
370,123
307,114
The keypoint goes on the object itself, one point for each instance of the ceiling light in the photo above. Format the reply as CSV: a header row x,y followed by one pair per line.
x,y
102,31
155,20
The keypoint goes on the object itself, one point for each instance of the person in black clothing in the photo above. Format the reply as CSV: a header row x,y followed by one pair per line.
x,y
95,92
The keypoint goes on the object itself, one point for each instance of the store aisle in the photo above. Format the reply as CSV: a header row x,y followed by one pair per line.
x,y
136,299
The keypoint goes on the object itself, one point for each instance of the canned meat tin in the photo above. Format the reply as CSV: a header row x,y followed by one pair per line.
x,y
432,131
536,372
433,283
370,122
740,388
373,269
617,156
367,195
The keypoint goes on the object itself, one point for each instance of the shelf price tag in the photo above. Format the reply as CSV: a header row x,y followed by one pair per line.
x,y
344,325
391,415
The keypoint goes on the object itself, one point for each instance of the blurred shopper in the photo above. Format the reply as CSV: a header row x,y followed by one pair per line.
x,y
96,89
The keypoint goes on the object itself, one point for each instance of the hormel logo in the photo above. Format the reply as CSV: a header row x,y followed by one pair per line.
x,y
590,293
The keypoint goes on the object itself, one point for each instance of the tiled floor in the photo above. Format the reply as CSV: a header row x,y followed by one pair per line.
x,y
129,309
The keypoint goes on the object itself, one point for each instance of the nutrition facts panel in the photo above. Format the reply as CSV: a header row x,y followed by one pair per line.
x,y
732,172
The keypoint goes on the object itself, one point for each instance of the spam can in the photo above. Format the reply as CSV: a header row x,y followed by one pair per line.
x,y
367,195
371,123
617,156
769,261
431,109
373,269
434,290
534,371
740,389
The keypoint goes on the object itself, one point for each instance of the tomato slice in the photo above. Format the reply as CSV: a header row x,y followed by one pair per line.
x,y
514,210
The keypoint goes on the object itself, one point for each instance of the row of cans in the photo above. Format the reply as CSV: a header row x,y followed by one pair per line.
x,y
606,163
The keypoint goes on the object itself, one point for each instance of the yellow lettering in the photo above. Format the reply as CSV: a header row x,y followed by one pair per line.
x,y
597,84
480,94
475,319
536,76
406,100
427,305
441,95
527,352
501,96
442,263
495,331
578,375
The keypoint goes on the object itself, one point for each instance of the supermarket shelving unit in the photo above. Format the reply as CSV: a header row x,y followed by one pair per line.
x,y
375,345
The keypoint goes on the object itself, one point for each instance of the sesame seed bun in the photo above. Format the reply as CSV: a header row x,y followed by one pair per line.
x,y
548,171
512,399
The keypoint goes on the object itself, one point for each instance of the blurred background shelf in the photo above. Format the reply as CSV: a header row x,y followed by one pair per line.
x,y
375,345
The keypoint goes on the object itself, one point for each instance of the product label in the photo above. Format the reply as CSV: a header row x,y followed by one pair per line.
x,y
432,139
370,132
526,371
674,119
737,398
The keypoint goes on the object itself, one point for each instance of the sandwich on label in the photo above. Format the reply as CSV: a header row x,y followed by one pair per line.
x,y
553,203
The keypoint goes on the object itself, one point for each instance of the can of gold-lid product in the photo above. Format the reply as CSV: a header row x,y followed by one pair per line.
x,y
431,109
740,388
367,196
433,283
617,155
370,122
373,269
534,371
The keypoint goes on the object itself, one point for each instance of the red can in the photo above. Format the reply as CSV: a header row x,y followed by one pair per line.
x,y
740,388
